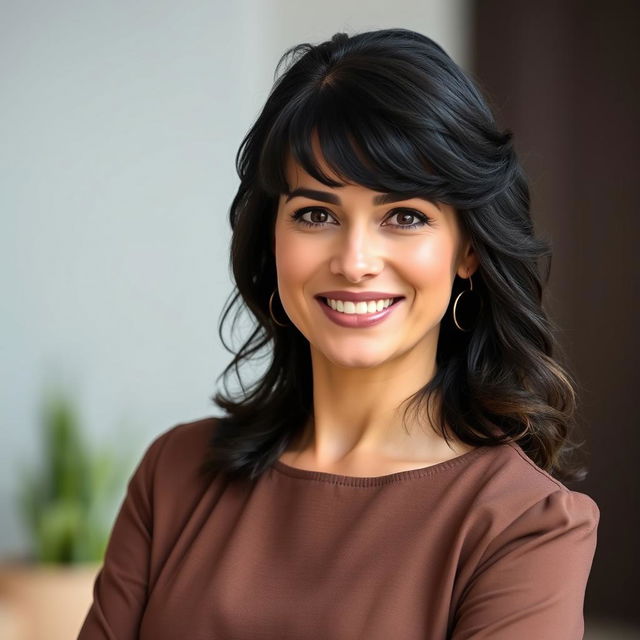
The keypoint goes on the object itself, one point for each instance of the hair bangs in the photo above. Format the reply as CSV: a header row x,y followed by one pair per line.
x,y
359,145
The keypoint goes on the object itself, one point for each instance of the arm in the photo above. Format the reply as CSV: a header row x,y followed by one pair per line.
x,y
530,582
120,589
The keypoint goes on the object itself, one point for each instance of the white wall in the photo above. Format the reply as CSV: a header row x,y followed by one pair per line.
x,y
119,125
446,21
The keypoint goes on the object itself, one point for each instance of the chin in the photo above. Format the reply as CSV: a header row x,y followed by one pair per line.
x,y
355,360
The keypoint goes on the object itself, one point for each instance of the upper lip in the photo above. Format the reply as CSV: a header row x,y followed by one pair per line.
x,y
360,296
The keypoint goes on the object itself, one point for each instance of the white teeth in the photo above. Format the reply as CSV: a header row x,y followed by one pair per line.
x,y
361,308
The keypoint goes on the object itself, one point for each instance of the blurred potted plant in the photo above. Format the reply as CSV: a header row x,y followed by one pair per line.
x,y
66,503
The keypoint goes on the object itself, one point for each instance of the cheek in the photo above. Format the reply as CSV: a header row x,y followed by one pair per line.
x,y
429,264
296,261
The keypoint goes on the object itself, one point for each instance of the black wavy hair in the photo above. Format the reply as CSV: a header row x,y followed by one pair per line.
x,y
393,112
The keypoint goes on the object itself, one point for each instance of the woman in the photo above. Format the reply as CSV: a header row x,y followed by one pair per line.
x,y
396,470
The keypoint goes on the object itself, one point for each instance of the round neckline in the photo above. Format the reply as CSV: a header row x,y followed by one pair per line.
x,y
371,481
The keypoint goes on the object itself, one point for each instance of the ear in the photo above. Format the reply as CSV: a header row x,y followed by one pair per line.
x,y
468,261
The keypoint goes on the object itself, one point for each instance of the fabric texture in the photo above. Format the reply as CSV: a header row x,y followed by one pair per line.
x,y
486,545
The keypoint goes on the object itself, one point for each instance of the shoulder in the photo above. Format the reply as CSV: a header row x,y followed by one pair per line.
x,y
177,452
513,497
512,467
185,437
528,546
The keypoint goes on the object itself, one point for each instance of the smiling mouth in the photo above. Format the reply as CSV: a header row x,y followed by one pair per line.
x,y
351,308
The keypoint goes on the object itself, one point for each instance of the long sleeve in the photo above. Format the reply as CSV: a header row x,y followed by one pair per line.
x,y
120,588
486,546
531,581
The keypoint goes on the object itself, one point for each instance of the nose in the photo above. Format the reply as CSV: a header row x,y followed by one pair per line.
x,y
356,255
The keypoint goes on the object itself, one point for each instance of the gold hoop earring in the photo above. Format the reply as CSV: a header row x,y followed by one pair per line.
x,y
271,311
472,297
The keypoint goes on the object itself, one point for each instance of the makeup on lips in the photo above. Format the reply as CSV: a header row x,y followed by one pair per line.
x,y
358,310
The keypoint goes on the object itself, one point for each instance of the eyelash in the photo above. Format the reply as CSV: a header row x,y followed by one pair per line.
x,y
424,220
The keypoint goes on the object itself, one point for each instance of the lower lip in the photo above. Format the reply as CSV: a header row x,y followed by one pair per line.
x,y
356,320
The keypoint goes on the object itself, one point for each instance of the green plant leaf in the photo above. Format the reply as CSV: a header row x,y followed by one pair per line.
x,y
65,501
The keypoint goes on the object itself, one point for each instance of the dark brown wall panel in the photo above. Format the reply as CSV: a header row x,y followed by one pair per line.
x,y
564,77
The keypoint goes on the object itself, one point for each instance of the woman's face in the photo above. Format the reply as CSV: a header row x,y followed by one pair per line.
x,y
409,248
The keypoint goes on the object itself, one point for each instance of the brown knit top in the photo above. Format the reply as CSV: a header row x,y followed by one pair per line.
x,y
486,545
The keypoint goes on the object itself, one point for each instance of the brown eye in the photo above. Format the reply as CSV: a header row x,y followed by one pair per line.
x,y
405,217
318,216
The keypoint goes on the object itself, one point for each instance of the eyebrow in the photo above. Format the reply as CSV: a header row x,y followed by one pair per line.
x,y
332,198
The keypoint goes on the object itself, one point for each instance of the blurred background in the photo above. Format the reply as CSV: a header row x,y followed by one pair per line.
x,y
119,125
